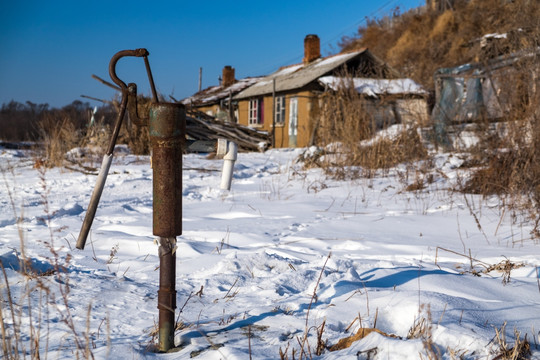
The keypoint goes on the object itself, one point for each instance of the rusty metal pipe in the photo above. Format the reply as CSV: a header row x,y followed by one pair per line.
x,y
167,292
167,133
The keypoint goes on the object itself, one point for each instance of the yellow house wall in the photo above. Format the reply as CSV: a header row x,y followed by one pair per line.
x,y
210,110
306,103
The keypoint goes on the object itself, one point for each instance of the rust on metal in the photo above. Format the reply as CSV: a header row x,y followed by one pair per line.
x,y
167,292
118,56
150,78
133,112
124,89
167,128
167,133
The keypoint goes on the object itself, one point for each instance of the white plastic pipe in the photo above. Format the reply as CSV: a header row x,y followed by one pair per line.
x,y
228,165
221,149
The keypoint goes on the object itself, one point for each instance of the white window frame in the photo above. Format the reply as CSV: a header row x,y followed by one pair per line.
x,y
280,111
253,112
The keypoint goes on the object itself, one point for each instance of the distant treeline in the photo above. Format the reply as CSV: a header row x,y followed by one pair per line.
x,y
28,121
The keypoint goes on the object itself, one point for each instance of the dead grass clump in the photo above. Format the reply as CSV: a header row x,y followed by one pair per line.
x,y
508,163
506,172
363,159
138,140
387,153
520,350
135,135
59,136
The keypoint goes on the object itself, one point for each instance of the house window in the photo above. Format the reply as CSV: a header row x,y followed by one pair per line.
x,y
280,110
256,112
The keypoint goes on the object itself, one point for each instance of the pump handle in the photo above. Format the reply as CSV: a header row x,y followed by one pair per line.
x,y
107,158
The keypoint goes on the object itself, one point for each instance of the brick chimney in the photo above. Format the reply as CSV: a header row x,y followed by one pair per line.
x,y
227,76
312,48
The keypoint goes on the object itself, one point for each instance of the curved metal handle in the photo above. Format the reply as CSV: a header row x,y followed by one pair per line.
x,y
112,64
137,53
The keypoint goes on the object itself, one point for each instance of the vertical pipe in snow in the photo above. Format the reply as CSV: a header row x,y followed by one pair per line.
x,y
228,165
167,129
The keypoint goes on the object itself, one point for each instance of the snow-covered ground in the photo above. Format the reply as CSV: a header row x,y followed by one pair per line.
x,y
263,266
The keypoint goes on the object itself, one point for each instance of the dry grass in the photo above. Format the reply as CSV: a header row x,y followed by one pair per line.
x,y
56,131
507,161
520,350
349,135
58,138
27,307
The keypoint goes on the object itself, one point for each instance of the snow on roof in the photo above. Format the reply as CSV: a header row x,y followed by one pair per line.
x,y
287,70
339,58
375,87
299,75
214,94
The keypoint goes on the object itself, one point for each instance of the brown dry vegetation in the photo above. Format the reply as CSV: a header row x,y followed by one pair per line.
x,y
347,128
419,42
56,131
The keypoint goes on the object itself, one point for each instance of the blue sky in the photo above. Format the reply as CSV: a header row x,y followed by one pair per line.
x,y
50,49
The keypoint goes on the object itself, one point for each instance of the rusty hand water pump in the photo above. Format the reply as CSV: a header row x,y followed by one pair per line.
x,y
167,128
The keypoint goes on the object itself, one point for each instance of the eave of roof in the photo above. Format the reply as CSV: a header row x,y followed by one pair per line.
x,y
215,94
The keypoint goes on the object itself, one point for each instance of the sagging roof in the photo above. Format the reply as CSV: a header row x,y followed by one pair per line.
x,y
375,87
299,75
215,94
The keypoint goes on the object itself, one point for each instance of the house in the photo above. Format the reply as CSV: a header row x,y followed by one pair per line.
x,y
217,101
388,101
286,103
